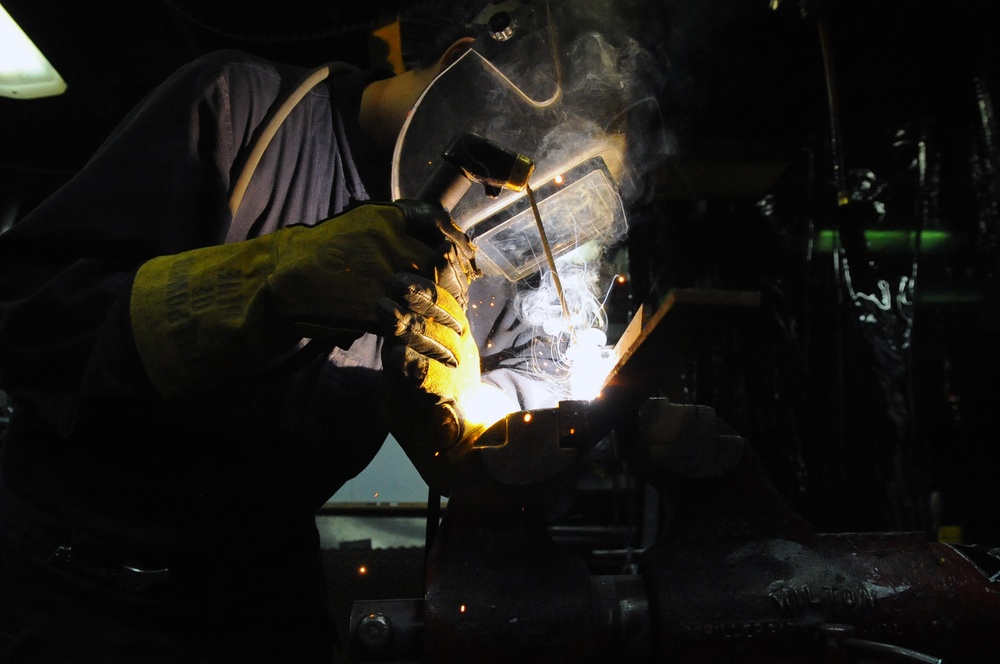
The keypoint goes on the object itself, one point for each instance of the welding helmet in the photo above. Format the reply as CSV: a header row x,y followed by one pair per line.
x,y
540,79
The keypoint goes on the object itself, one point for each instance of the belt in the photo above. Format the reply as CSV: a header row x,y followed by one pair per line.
x,y
130,578
68,550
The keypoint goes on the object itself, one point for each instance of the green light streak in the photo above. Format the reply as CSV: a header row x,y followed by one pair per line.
x,y
892,241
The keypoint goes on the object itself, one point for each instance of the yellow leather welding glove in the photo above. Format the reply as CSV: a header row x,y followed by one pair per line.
x,y
430,338
431,363
209,314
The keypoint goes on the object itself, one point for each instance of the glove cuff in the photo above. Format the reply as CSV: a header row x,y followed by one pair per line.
x,y
202,316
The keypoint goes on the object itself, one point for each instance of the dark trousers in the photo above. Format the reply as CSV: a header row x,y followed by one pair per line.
x,y
51,612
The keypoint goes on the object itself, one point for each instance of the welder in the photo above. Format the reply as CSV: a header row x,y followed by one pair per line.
x,y
193,377
213,326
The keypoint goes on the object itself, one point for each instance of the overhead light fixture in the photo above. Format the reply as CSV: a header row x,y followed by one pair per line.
x,y
24,71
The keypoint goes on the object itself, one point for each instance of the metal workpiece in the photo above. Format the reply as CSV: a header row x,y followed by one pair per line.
x,y
528,447
652,349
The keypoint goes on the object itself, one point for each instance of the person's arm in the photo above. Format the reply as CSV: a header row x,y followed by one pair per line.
x,y
157,186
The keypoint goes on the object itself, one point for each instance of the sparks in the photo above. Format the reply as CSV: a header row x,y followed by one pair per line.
x,y
582,357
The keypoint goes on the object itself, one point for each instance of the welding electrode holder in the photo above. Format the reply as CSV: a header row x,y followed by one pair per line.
x,y
469,158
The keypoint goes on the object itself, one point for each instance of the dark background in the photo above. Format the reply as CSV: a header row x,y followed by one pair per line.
x,y
866,419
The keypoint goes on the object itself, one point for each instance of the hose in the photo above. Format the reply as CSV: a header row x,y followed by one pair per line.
x,y
273,123
276,116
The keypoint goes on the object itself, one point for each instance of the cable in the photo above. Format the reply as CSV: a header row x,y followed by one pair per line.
x,y
311,80
276,117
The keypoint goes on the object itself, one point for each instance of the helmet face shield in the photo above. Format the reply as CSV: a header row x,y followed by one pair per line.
x,y
525,92
579,206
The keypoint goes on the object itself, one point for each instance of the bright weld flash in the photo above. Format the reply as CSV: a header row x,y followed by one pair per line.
x,y
485,405
592,361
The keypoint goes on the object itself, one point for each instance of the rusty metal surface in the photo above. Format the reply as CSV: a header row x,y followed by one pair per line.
x,y
738,576
753,599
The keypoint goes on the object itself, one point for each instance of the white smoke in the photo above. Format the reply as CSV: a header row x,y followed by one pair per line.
x,y
610,87
576,343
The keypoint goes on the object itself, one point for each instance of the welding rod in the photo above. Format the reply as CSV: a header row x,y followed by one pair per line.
x,y
549,257
471,158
